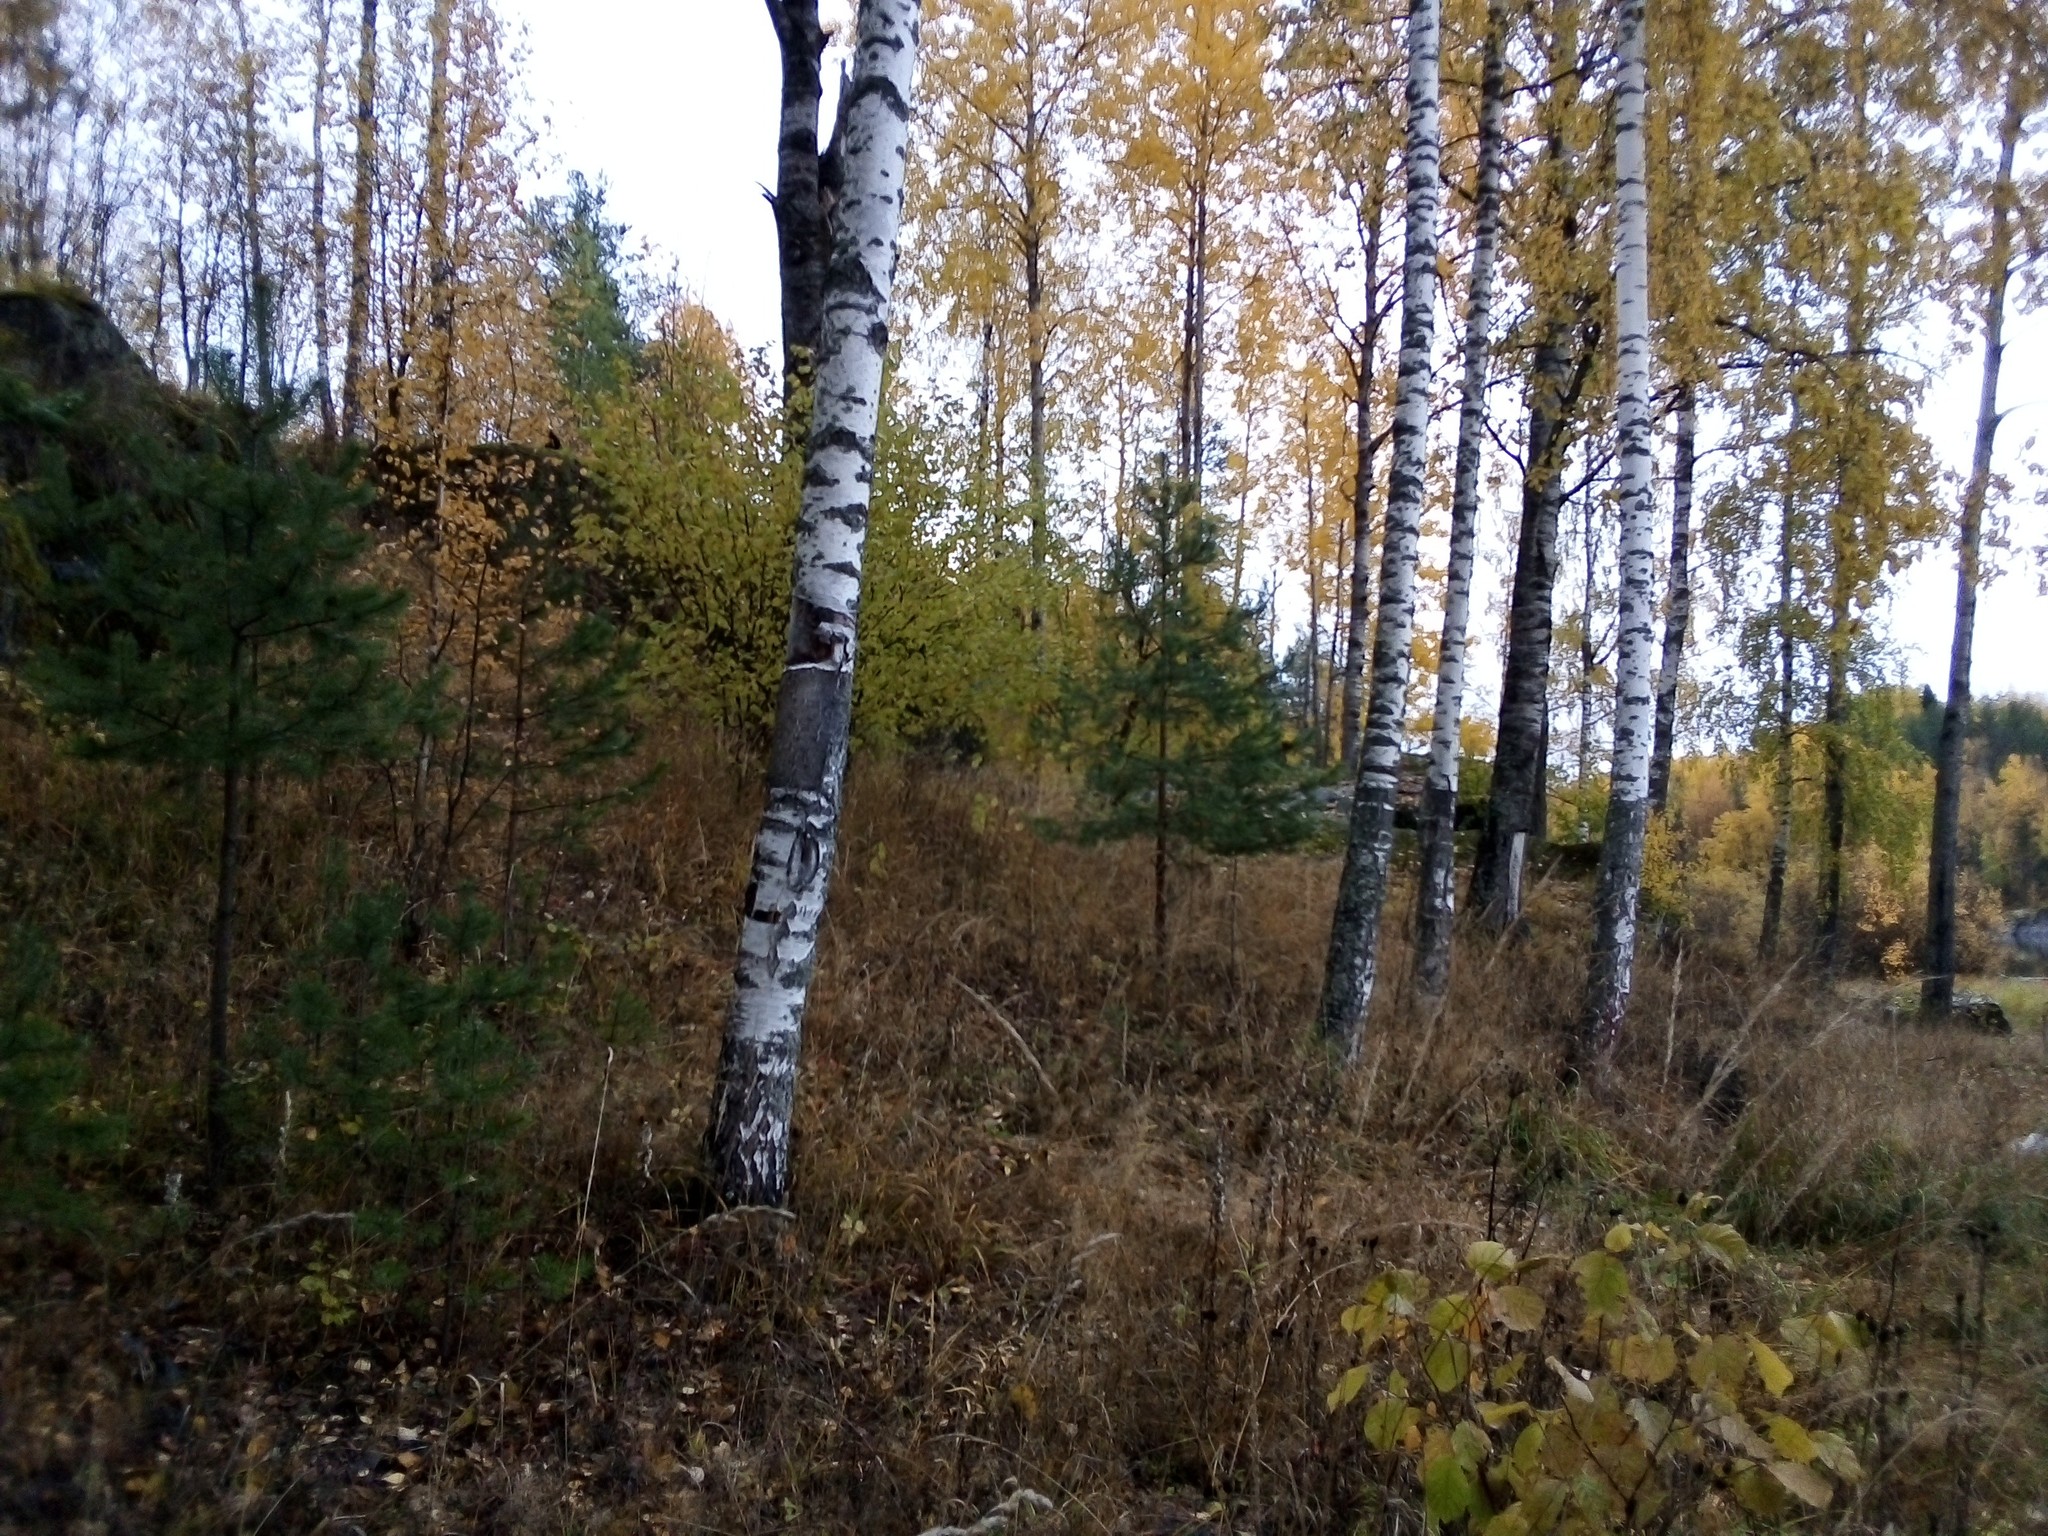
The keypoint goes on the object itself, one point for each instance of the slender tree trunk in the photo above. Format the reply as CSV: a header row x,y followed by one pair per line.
x,y
226,893
323,326
1588,660
440,243
1619,889
1360,628
1035,349
1937,990
1678,606
749,1137
802,235
1517,805
1436,900
360,215
1161,823
1362,890
262,294
1834,784
1781,780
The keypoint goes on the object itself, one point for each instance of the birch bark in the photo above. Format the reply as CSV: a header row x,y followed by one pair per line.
x,y
1436,904
1937,989
1362,890
754,1098
1628,802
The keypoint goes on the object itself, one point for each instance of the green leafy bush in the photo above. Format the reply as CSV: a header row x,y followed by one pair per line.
x,y
1602,1393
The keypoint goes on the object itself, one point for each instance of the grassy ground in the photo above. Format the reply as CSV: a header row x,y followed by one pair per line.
x,y
1112,1276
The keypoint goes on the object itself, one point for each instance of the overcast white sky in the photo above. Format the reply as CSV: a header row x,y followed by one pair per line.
x,y
673,104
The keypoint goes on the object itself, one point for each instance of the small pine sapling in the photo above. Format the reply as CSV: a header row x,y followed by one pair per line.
x,y
1177,725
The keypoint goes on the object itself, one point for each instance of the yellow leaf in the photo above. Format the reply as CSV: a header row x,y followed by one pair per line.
x,y
1349,1385
1776,1374
1648,1361
1791,1439
1496,1414
1620,1238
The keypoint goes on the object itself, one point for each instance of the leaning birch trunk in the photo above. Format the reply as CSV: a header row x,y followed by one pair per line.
x,y
1937,990
1362,891
755,1094
1628,800
1678,610
358,333
1436,902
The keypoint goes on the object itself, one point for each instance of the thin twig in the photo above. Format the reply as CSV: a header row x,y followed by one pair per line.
x,y
1011,1030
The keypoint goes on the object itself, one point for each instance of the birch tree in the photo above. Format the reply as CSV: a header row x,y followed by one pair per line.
x,y
1436,902
1628,804
361,211
755,1094
2021,90
1362,890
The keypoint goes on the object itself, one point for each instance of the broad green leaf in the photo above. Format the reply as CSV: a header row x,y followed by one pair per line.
x,y
1722,1242
1349,1385
1620,1238
1604,1284
1528,1451
1777,1376
1454,1314
1386,1421
1519,1307
1471,1444
1508,1372
1446,1485
1509,1522
1448,1361
1803,1483
1490,1261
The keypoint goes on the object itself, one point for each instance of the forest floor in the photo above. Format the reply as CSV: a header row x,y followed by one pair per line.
x,y
1066,1219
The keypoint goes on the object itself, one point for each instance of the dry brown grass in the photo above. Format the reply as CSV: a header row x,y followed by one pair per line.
x,y
1115,1283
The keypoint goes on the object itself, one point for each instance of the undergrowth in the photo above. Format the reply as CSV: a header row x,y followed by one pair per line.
x,y
1068,1219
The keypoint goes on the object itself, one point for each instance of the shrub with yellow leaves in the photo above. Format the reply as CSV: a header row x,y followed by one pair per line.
x,y
1589,1394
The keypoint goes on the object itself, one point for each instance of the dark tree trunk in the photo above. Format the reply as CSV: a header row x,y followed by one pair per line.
x,y
1937,990
1678,608
1516,800
225,898
802,230
1781,779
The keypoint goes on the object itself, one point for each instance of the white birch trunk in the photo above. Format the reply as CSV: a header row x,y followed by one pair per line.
x,y
1628,803
1362,891
1436,902
754,1098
